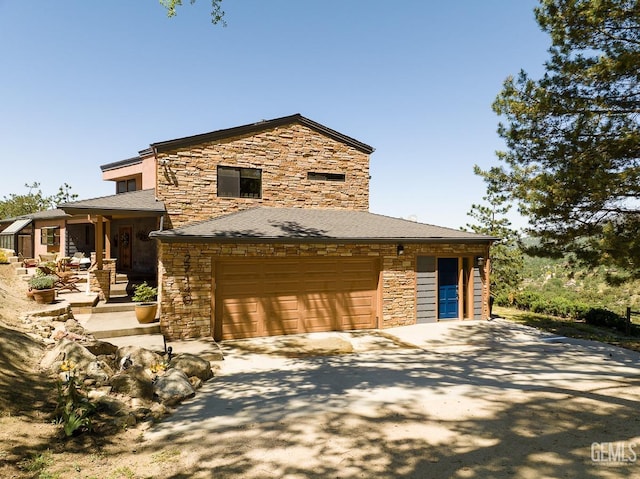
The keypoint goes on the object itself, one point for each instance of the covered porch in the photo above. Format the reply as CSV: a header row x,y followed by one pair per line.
x,y
122,224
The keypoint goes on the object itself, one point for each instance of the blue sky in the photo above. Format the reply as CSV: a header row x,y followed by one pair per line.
x,y
84,83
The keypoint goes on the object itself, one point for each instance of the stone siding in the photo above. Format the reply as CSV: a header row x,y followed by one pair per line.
x,y
187,177
186,278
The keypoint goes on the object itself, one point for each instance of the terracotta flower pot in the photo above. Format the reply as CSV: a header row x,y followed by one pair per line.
x,y
43,296
146,312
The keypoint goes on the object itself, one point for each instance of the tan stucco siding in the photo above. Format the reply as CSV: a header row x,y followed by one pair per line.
x,y
187,178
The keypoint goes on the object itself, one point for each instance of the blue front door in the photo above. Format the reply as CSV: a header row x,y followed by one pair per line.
x,y
447,288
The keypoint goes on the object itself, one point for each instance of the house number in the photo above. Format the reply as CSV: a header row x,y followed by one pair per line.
x,y
186,294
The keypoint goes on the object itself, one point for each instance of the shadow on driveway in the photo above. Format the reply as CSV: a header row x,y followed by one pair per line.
x,y
487,399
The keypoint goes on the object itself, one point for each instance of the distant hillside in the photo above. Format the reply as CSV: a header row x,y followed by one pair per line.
x,y
563,278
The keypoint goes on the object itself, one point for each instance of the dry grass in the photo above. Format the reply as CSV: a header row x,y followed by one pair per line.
x,y
569,328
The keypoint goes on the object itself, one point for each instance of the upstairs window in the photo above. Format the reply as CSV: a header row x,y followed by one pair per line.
x,y
126,185
239,182
320,176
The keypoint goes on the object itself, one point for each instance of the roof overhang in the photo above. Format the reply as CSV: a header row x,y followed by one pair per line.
x,y
306,225
113,212
135,204
168,237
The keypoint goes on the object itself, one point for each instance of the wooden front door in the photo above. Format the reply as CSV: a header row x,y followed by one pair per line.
x,y
125,239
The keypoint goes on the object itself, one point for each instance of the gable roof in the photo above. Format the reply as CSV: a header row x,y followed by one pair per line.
x,y
256,127
265,224
133,203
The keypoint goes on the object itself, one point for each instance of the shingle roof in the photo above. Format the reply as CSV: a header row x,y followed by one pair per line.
x,y
134,202
265,224
39,215
256,127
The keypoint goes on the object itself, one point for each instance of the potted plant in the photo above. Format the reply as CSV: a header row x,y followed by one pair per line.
x,y
145,296
41,288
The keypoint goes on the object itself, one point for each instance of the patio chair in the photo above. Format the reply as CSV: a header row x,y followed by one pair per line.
x,y
64,281
79,261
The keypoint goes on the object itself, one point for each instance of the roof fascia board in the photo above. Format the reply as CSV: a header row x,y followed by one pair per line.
x,y
112,211
122,163
170,238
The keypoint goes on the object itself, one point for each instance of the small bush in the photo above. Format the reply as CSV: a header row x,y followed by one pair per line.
x,y
143,293
42,282
605,318
3,257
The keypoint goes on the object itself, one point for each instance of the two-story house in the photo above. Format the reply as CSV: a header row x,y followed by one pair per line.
x,y
265,230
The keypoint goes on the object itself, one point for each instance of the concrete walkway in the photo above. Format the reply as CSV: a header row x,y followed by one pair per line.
x,y
463,399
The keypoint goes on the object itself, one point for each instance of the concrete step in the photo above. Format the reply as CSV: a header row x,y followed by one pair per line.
x,y
114,323
141,330
113,307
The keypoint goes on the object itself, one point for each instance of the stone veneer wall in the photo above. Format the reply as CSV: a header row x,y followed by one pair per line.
x,y
186,278
187,182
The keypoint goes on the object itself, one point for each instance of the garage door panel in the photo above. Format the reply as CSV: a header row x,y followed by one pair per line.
x,y
362,321
281,305
244,305
302,295
281,287
361,284
320,286
277,329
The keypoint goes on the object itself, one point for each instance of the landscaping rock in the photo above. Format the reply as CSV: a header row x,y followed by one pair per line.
x,y
192,365
173,387
100,392
99,371
72,326
67,350
100,348
138,356
196,382
133,382
111,406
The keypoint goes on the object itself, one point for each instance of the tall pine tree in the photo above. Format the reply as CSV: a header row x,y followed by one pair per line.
x,y
572,158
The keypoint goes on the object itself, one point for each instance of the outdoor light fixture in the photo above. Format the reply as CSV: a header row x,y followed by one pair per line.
x,y
400,250
480,261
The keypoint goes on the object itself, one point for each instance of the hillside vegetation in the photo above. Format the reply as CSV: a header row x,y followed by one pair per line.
x,y
564,289
563,278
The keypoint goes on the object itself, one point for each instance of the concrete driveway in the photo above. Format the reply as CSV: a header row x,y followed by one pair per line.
x,y
464,400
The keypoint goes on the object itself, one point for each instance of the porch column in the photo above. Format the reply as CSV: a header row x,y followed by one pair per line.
x,y
486,303
100,278
99,241
107,240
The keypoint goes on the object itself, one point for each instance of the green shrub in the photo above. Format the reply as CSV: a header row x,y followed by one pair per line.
x,y
605,318
3,257
42,281
143,293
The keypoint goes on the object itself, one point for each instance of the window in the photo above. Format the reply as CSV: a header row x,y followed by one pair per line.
x,y
126,185
239,182
50,236
319,176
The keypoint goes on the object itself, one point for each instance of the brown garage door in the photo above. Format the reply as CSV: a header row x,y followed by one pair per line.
x,y
266,297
